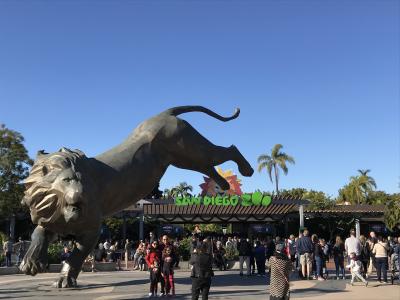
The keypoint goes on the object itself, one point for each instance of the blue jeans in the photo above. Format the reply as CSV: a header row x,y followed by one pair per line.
x,y
339,263
381,267
8,259
318,264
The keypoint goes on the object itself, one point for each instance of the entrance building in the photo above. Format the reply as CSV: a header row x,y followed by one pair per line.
x,y
282,216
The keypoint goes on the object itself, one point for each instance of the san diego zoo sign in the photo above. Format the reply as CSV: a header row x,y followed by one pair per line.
x,y
254,199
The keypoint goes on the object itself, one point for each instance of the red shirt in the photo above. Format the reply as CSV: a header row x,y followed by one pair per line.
x,y
152,256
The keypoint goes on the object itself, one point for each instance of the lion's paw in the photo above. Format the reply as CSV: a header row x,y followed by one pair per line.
x,y
65,282
31,266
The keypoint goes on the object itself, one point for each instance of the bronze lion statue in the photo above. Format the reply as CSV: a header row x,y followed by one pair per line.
x,y
69,194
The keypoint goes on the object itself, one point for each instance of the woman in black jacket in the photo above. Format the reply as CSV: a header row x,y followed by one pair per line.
x,y
202,272
318,257
338,257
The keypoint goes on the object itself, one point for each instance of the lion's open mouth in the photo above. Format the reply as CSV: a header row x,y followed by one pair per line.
x,y
44,207
71,213
47,204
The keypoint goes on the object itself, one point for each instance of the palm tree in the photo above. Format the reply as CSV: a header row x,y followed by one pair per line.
x,y
355,191
359,187
368,179
181,190
167,194
364,172
276,160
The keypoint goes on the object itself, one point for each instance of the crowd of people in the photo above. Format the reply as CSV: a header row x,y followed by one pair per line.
x,y
305,255
19,248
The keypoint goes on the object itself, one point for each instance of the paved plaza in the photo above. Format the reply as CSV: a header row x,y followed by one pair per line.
x,y
226,285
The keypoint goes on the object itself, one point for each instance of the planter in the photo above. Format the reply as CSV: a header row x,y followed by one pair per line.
x,y
9,270
230,264
87,267
104,266
54,268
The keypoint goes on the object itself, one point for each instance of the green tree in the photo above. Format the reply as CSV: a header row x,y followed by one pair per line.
x,y
368,181
277,160
343,195
167,194
14,166
378,197
115,226
294,193
392,211
318,200
181,190
357,190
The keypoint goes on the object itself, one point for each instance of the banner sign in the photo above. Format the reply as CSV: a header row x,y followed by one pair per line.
x,y
263,228
255,199
167,228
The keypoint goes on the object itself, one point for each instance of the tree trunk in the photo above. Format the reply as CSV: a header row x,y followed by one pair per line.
x,y
12,228
124,227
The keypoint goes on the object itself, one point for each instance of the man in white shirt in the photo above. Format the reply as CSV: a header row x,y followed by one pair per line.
x,y
353,244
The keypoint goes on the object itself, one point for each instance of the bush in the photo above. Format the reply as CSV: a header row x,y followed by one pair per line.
x,y
231,253
54,253
184,248
3,237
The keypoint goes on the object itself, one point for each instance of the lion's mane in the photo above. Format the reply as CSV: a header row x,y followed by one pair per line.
x,y
42,196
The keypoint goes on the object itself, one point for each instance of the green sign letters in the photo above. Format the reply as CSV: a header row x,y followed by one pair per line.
x,y
255,199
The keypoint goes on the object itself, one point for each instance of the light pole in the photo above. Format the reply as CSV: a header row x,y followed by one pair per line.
x,y
301,214
357,228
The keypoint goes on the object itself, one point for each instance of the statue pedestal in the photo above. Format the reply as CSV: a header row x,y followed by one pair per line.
x,y
87,267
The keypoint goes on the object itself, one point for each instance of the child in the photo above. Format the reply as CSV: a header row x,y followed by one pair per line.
x,y
153,262
325,257
355,268
168,271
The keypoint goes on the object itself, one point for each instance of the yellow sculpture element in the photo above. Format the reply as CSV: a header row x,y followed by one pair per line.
x,y
211,188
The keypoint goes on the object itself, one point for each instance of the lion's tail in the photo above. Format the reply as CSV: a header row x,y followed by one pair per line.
x,y
175,111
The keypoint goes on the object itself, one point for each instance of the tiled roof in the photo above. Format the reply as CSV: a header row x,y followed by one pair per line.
x,y
167,210
218,213
172,209
358,208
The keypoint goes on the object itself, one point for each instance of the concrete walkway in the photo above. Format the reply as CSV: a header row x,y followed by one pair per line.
x,y
225,285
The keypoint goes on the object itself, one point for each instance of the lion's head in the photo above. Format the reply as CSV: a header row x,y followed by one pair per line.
x,y
54,187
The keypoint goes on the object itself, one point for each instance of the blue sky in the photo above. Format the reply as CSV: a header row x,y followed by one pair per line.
x,y
320,77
